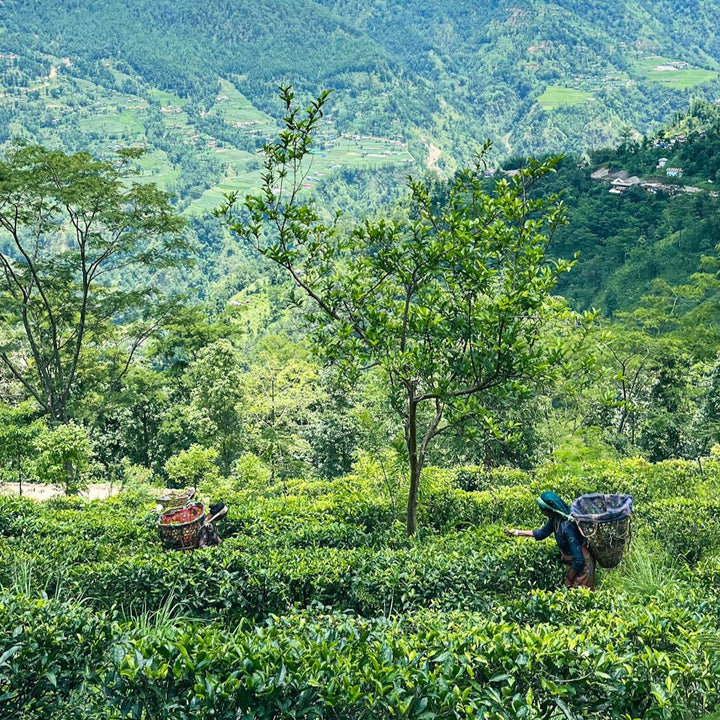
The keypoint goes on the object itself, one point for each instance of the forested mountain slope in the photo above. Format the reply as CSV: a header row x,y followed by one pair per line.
x,y
532,75
545,75
415,86
643,219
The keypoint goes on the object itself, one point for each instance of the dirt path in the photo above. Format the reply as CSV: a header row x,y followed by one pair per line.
x,y
99,491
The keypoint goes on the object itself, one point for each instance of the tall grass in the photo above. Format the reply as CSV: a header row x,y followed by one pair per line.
x,y
646,571
166,616
23,577
33,578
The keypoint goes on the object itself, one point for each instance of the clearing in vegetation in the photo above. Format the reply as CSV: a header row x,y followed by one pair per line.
x,y
673,73
557,95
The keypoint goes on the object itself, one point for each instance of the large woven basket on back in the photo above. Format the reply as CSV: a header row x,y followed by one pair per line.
x,y
605,521
179,528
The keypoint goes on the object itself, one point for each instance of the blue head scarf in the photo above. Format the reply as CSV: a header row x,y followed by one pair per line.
x,y
554,503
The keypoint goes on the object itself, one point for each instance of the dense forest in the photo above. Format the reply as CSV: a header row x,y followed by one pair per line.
x,y
218,364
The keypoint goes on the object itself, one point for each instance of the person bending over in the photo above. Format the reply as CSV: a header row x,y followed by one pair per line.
x,y
572,545
208,534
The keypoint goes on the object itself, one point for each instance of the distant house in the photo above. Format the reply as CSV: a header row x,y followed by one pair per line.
x,y
652,187
661,163
620,184
619,180
674,172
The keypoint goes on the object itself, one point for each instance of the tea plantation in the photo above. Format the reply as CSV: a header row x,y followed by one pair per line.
x,y
317,605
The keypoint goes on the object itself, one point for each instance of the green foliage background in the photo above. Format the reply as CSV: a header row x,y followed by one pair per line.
x,y
448,75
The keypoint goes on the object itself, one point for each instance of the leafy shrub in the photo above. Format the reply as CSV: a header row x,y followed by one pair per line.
x,y
18,515
65,457
250,471
455,508
235,583
643,480
706,575
189,467
318,605
136,476
687,528
48,651
428,665
473,478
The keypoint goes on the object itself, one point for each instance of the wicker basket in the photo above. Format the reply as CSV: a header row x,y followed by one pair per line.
x,y
179,528
175,500
606,522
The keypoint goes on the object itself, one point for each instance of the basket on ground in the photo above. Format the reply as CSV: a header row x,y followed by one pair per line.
x,y
605,521
179,528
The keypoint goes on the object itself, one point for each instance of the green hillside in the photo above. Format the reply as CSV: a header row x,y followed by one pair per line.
x,y
378,350
533,77
196,152
644,215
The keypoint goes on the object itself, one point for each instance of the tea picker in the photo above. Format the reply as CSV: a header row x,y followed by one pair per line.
x,y
188,527
208,533
596,528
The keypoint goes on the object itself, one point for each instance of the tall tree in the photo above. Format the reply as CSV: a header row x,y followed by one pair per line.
x,y
18,435
449,300
215,378
282,396
70,225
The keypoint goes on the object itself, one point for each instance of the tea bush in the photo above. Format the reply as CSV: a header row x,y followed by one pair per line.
x,y
235,583
706,574
643,480
606,660
317,605
18,515
687,528
48,651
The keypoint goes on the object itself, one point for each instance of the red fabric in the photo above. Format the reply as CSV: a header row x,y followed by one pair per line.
x,y
181,516
584,579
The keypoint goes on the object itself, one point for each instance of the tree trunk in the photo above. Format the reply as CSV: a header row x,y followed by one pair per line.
x,y
415,470
71,484
415,467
